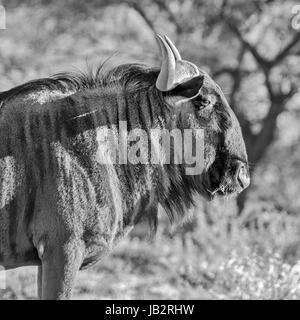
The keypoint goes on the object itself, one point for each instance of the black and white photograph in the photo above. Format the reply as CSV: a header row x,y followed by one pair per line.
x,y
150,151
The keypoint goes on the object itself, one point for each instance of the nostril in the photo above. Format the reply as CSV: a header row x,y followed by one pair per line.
x,y
243,177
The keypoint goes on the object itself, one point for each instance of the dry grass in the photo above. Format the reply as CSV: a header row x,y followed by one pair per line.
x,y
204,262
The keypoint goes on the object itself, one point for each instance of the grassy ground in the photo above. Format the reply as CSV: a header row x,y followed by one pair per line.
x,y
136,270
204,262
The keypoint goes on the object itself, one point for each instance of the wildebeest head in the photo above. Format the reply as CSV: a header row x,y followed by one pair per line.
x,y
201,103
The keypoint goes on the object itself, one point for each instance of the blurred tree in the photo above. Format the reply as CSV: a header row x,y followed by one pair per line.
x,y
261,28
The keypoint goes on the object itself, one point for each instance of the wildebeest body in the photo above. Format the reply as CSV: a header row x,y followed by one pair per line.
x,y
53,152
60,207
47,149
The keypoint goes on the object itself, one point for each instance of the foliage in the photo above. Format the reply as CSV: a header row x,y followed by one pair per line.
x,y
256,276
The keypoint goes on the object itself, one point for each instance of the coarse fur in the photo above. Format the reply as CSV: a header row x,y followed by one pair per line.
x,y
53,190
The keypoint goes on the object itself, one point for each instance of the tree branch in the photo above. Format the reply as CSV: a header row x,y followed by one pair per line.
x,y
266,135
164,7
237,75
265,64
278,100
287,49
136,6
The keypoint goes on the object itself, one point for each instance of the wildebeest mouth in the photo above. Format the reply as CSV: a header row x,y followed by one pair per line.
x,y
227,180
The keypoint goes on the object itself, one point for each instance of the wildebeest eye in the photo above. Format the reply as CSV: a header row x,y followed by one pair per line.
x,y
202,102
205,102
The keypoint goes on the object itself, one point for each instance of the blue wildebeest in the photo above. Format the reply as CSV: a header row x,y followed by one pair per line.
x,y
61,208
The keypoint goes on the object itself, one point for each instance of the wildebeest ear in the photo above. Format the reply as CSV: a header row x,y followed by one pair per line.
x,y
174,71
190,88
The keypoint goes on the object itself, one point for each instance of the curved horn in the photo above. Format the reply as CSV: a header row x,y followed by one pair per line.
x,y
166,76
161,47
174,49
174,71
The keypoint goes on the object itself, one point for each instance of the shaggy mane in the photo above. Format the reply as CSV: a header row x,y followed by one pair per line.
x,y
132,76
